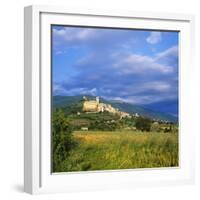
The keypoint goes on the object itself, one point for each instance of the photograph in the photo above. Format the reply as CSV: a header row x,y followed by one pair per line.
x,y
114,98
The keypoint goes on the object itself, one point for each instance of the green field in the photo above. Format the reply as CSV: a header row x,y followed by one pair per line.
x,y
102,150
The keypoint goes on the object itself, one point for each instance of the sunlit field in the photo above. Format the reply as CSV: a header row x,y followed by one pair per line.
x,y
103,150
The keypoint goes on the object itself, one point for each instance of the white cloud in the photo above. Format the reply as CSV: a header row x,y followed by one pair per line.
x,y
74,34
173,51
138,64
158,86
146,86
144,99
58,88
154,37
60,52
61,90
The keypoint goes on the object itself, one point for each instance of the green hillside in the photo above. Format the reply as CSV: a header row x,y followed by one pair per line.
x,y
145,112
74,104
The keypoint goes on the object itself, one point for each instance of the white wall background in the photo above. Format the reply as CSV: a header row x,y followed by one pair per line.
x,y
11,100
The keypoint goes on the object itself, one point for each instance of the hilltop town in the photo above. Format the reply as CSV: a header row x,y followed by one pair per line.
x,y
94,106
95,127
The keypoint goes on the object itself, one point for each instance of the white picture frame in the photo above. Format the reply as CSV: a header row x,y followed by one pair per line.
x,y
37,153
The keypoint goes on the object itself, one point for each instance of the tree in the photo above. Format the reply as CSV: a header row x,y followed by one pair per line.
x,y
62,138
143,124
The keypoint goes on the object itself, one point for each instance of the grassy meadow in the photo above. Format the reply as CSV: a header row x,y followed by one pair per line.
x,y
104,150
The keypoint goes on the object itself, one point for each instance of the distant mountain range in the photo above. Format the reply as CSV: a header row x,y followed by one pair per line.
x,y
170,107
158,111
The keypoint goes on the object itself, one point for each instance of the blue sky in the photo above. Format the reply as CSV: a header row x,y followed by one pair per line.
x,y
135,66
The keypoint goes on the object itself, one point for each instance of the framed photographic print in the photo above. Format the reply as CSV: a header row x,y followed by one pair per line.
x,y
106,99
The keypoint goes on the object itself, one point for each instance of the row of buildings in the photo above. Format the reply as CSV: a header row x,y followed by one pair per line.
x,y
94,106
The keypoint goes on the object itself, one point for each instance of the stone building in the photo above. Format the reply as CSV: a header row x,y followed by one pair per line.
x,y
94,106
91,105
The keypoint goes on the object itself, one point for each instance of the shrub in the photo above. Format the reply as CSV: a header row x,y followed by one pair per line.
x,y
155,127
143,124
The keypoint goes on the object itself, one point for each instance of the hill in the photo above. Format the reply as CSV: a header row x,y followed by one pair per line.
x,y
74,103
170,107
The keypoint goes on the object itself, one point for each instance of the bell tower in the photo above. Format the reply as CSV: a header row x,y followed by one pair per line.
x,y
97,100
